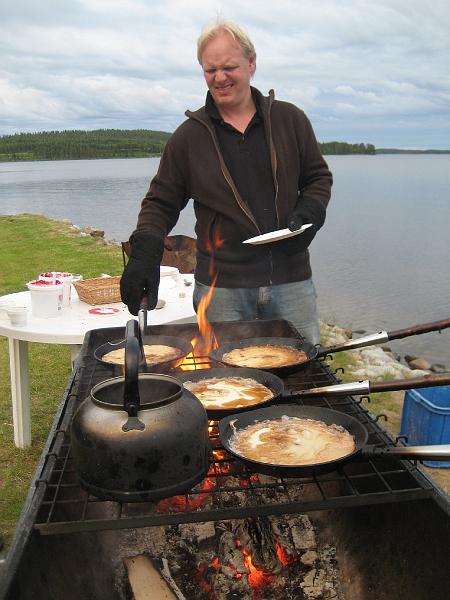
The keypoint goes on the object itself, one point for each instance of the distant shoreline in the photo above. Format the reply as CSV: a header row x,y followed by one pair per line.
x,y
138,143
378,152
402,151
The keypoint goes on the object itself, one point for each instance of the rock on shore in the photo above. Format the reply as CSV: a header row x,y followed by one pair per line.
x,y
373,362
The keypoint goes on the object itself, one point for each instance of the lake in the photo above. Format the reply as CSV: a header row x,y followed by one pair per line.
x,y
382,260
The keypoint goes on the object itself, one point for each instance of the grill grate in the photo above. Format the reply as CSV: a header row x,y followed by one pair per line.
x,y
229,491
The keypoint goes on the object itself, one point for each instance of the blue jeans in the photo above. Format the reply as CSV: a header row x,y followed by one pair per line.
x,y
294,302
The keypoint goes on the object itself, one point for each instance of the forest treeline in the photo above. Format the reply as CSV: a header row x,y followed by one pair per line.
x,y
73,145
112,143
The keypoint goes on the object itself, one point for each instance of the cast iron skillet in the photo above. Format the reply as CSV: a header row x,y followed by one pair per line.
x,y
270,380
275,384
229,425
299,344
313,352
184,349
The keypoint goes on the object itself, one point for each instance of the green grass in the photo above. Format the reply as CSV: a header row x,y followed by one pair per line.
x,y
30,245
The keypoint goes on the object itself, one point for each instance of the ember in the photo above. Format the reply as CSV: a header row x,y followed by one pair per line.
x,y
261,559
256,577
188,502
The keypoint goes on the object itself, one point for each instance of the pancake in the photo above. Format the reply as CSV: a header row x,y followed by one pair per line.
x,y
219,393
154,353
264,357
292,441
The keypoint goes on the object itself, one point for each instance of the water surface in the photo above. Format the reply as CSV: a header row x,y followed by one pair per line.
x,y
382,260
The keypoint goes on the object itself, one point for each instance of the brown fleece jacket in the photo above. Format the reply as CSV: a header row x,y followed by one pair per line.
x,y
192,166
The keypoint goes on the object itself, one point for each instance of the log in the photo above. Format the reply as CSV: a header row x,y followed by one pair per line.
x,y
149,580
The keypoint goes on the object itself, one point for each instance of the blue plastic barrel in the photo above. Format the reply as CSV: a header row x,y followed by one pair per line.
x,y
426,419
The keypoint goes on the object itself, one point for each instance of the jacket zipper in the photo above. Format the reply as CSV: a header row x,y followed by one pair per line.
x,y
227,177
273,161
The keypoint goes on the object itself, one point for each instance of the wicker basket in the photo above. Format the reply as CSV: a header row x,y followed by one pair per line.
x,y
99,290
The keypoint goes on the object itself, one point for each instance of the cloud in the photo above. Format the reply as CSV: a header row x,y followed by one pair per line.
x,y
350,64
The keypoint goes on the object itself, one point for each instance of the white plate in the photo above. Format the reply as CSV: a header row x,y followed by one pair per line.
x,y
274,236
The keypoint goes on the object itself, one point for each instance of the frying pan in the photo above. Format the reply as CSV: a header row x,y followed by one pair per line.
x,y
270,380
166,340
313,352
184,349
234,423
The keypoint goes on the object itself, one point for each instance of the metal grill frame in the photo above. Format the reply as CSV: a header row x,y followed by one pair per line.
x,y
229,491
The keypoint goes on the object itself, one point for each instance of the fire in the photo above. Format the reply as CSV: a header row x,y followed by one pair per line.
x,y
194,500
256,577
206,340
246,482
219,454
211,246
283,557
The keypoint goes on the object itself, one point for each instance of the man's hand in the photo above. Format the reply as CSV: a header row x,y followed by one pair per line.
x,y
306,211
141,273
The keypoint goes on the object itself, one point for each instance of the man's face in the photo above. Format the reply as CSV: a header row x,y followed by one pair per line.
x,y
227,72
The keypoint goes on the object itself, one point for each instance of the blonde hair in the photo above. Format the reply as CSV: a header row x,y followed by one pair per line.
x,y
236,32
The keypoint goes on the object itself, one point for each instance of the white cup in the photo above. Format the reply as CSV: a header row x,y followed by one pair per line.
x,y
66,278
4,305
46,297
17,315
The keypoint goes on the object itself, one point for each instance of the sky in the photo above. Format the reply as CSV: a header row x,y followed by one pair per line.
x,y
375,71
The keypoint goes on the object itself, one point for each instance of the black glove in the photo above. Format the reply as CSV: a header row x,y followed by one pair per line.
x,y
141,273
306,211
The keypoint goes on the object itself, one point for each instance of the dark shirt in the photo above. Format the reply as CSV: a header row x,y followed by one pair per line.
x,y
247,158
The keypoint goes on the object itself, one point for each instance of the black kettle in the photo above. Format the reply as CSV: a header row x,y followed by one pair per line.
x,y
139,437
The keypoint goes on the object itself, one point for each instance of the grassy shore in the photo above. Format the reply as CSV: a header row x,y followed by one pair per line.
x,y
30,245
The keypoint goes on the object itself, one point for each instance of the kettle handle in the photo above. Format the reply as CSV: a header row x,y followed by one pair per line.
x,y
131,400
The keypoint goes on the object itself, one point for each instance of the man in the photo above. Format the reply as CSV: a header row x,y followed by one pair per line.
x,y
252,165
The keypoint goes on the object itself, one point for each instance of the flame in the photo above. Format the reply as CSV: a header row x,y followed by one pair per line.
x,y
211,247
206,341
256,577
219,454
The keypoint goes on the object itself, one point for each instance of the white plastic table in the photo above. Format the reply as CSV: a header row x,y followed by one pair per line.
x,y
70,328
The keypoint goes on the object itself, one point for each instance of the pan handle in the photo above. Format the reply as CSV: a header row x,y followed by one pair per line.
x,y
439,452
367,340
142,330
409,384
367,387
131,400
385,336
142,315
341,389
417,329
